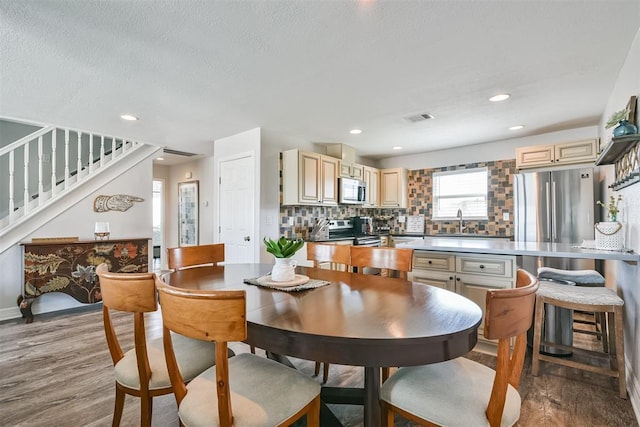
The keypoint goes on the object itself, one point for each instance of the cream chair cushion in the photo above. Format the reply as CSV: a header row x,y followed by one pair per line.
x,y
263,393
194,356
452,393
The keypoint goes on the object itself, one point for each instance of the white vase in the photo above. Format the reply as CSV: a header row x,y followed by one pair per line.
x,y
284,270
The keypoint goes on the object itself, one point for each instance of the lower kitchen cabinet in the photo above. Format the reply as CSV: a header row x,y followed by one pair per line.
x,y
465,274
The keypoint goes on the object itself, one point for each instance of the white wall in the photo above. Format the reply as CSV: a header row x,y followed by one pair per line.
x,y
627,276
499,150
79,220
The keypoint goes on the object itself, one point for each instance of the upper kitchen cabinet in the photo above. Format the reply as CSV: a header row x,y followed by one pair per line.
x,y
371,178
394,184
558,154
351,171
309,178
347,156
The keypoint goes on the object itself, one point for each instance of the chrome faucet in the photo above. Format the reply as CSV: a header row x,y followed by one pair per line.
x,y
459,215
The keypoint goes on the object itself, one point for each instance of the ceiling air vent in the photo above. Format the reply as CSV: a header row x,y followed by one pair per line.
x,y
419,117
177,153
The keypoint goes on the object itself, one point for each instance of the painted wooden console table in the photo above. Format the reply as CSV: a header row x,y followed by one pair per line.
x,y
70,268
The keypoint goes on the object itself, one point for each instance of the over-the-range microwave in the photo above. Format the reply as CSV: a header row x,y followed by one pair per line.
x,y
351,191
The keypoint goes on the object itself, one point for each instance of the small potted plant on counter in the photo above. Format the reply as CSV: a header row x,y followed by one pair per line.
x,y
283,249
612,207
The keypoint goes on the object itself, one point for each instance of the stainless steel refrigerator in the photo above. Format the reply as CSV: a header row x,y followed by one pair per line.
x,y
554,206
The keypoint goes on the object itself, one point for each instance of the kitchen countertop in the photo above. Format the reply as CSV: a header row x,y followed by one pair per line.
x,y
455,235
479,246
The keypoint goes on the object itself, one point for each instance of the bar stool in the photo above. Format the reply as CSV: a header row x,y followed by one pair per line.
x,y
588,278
590,299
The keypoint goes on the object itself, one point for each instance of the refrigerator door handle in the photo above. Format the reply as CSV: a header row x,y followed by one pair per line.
x,y
554,220
547,236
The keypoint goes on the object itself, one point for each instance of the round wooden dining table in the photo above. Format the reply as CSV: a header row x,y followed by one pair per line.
x,y
358,320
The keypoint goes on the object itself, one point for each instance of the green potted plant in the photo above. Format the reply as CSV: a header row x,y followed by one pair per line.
x,y
624,127
283,249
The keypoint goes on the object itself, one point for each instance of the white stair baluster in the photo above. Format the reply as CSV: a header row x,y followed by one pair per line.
x,y
66,158
90,153
79,163
12,203
101,151
26,178
54,146
40,172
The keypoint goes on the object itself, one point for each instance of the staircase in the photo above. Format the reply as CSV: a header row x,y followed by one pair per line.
x,y
52,168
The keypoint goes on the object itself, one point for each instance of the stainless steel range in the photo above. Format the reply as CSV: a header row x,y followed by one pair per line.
x,y
344,228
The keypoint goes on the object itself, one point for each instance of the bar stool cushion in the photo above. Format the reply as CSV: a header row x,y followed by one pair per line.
x,y
452,393
580,277
586,295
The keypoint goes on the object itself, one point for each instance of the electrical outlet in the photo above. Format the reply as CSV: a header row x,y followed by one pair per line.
x,y
505,216
402,219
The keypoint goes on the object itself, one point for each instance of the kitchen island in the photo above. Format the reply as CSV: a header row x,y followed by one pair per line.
x,y
470,267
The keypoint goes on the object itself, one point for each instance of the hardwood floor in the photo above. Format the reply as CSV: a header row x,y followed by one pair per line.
x,y
57,372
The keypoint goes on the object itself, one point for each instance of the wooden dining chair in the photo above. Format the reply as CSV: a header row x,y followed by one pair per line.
x,y
339,258
142,371
398,259
191,256
245,390
456,392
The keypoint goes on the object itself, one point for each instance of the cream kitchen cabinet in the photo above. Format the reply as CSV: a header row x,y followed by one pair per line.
x,y
466,274
371,178
394,185
309,178
351,171
558,154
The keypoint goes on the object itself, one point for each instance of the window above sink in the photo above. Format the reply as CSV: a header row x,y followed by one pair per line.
x,y
460,193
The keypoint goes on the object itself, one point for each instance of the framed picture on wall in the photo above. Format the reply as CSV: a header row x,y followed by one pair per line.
x,y
188,213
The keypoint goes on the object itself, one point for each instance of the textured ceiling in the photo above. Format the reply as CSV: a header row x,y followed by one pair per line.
x,y
196,71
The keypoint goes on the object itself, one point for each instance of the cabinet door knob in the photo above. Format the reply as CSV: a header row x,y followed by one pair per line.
x,y
458,279
450,277
430,262
481,266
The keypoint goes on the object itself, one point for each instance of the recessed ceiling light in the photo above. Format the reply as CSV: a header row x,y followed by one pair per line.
x,y
517,127
159,158
355,131
499,97
128,117
397,147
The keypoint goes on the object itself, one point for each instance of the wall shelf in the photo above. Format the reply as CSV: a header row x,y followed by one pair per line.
x,y
624,153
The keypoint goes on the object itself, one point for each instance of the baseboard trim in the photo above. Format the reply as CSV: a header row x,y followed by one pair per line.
x,y
10,313
633,388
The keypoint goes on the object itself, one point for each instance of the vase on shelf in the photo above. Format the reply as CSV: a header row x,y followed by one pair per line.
x,y
625,128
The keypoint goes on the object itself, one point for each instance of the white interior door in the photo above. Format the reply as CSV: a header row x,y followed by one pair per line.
x,y
236,209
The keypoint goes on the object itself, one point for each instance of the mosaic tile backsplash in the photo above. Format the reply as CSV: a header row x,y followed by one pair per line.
x,y
420,202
